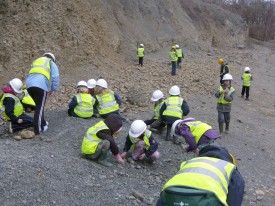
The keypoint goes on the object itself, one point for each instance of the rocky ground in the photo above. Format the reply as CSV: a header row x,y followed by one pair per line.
x,y
51,171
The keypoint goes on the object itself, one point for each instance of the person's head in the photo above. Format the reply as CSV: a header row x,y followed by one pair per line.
x,y
141,45
247,70
137,128
114,123
220,61
157,95
16,85
217,152
91,83
227,78
178,123
174,90
177,46
49,55
82,87
173,48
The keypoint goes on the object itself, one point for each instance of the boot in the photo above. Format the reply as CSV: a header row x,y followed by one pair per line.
x,y
102,159
167,138
176,140
221,127
226,128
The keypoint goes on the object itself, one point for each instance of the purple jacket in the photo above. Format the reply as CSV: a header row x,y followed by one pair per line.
x,y
185,132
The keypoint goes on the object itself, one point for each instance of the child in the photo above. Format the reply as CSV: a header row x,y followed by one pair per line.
x,y
12,107
82,103
142,143
99,140
27,101
156,122
247,78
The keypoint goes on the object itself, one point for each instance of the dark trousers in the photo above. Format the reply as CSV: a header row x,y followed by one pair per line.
x,y
174,68
245,90
39,97
27,122
140,61
179,62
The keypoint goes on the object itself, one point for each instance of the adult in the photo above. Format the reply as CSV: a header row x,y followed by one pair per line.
x,y
43,79
212,178
174,59
224,69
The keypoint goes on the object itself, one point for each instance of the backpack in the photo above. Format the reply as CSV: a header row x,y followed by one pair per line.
x,y
184,196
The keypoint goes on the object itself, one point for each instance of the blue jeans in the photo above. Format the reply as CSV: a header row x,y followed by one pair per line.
x,y
174,67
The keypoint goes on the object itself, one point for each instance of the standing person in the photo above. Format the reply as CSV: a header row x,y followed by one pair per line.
x,y
91,83
43,72
224,69
180,56
173,59
12,107
225,96
155,123
107,102
140,54
196,134
173,108
246,78
82,103
141,141
212,178
99,139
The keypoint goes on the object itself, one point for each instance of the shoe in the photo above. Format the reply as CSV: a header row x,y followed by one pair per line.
x,y
247,99
102,160
45,128
10,128
242,96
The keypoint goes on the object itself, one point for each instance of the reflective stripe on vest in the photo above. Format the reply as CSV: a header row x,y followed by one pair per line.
x,y
140,52
107,103
197,129
41,66
146,137
173,56
173,106
221,98
84,106
156,110
179,52
27,99
18,107
205,173
90,140
246,79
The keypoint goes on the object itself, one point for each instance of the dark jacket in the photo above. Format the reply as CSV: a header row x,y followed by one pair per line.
x,y
114,123
153,145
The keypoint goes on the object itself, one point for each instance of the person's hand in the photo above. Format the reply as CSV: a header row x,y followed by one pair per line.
x,y
51,93
123,155
142,156
19,121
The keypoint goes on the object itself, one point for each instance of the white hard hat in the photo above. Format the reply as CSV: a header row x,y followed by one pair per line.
x,y
157,95
137,128
177,46
16,84
50,55
81,84
91,83
246,69
189,119
174,90
102,83
174,127
227,77
141,45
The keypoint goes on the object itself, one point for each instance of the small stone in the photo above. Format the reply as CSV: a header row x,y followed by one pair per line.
x,y
259,198
260,193
138,195
18,138
138,167
25,134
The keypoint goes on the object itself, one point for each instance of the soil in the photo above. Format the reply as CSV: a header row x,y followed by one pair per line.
x,y
94,39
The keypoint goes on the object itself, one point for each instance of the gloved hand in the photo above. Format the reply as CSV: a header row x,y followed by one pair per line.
x,y
142,156
119,159
123,155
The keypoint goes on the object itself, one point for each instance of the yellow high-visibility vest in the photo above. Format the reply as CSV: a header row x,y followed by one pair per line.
x,y
197,129
27,99
140,52
146,137
173,56
18,107
173,106
85,103
179,52
156,110
107,103
41,66
246,79
221,98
